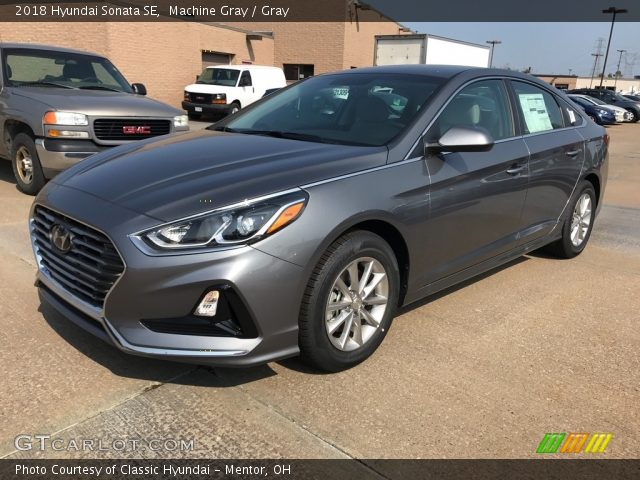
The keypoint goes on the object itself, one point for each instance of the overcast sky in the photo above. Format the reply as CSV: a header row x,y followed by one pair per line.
x,y
548,47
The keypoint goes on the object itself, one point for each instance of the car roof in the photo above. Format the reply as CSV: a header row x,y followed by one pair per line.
x,y
35,46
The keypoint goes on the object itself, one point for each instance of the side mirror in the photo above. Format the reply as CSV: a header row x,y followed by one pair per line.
x,y
139,88
462,139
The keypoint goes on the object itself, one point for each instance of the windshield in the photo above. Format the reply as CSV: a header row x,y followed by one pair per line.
x,y
52,69
593,100
219,76
350,109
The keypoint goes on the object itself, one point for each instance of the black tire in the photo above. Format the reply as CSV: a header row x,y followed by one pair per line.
x,y
194,116
21,144
565,248
234,108
315,346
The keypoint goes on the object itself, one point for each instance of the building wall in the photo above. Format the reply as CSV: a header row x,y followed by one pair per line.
x,y
623,85
559,80
359,38
165,56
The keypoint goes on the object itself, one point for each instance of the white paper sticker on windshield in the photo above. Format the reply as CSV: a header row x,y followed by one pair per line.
x,y
535,112
572,116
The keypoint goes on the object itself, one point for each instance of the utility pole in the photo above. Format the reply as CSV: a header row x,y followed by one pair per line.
x,y
615,82
493,43
614,11
595,64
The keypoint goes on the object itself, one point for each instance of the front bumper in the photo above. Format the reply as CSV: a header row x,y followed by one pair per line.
x,y
199,108
58,155
163,287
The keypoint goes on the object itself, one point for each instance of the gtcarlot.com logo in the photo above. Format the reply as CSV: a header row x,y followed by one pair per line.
x,y
574,442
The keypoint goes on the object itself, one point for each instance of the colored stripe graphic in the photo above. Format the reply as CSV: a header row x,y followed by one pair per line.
x,y
550,442
574,442
598,442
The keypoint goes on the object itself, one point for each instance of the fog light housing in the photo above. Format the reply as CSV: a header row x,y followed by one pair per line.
x,y
208,306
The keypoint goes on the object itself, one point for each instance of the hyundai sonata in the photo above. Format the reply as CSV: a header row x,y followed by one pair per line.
x,y
301,224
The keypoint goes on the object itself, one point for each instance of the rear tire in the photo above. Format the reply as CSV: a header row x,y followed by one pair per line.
x,y
26,164
349,302
578,225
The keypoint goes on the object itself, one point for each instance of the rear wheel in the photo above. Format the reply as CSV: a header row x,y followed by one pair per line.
x,y
26,164
349,303
577,227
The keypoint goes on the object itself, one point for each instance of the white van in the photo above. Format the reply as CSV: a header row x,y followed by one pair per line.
x,y
228,88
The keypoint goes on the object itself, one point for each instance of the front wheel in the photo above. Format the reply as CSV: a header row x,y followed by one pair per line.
x,y
349,302
577,227
26,164
235,108
633,116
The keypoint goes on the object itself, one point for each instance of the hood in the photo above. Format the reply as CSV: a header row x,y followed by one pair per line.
x,y
184,174
207,88
98,102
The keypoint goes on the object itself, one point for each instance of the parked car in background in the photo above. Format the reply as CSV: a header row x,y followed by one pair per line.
x,y
226,89
600,115
635,98
319,220
58,106
622,115
592,106
612,98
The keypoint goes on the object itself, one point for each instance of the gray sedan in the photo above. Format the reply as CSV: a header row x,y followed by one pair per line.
x,y
301,224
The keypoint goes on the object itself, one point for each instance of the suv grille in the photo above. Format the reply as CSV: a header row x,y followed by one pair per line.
x,y
120,129
91,265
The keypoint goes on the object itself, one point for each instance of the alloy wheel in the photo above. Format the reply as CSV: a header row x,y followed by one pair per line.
x,y
581,219
24,164
357,303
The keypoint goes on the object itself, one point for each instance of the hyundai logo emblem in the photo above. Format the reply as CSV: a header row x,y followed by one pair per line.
x,y
60,238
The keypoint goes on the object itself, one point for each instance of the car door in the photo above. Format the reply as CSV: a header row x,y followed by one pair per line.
x,y
476,198
248,90
556,155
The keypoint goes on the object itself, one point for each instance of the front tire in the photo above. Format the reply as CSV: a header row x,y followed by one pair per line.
x,y
577,227
634,115
26,164
349,302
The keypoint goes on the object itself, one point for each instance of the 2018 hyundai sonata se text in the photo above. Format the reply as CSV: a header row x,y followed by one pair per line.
x,y
301,224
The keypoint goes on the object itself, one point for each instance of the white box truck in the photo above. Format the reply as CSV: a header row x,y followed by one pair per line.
x,y
428,49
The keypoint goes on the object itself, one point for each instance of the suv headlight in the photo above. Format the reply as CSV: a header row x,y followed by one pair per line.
x,y
65,118
244,223
181,121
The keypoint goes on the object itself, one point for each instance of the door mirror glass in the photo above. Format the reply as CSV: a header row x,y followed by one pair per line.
x,y
462,139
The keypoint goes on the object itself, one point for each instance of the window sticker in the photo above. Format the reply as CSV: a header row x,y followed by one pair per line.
x,y
572,116
535,112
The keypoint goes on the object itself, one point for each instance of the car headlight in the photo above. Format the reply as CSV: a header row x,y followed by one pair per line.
x,y
244,223
602,111
181,121
65,118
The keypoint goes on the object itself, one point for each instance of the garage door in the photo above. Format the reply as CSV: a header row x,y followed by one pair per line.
x,y
215,58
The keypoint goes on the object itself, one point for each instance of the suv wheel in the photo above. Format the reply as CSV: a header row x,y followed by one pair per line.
x,y
576,229
26,164
349,303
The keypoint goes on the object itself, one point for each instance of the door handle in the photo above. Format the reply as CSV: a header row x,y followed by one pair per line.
x,y
515,169
573,153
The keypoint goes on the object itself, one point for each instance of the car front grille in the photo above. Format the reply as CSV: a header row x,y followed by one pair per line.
x,y
91,265
122,129
200,97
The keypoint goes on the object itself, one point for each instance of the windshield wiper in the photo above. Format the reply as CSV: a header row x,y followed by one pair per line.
x,y
99,87
47,84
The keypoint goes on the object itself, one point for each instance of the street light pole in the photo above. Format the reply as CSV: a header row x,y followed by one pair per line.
x,y
615,82
615,11
493,44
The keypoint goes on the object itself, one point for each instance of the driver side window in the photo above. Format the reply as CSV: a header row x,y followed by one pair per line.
x,y
245,79
482,104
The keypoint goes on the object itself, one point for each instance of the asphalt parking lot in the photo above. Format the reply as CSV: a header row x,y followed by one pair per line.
x,y
480,371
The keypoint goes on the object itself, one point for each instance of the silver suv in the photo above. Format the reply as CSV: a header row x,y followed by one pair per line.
x,y
58,106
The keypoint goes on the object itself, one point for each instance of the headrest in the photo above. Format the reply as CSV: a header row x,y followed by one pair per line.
x,y
372,109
